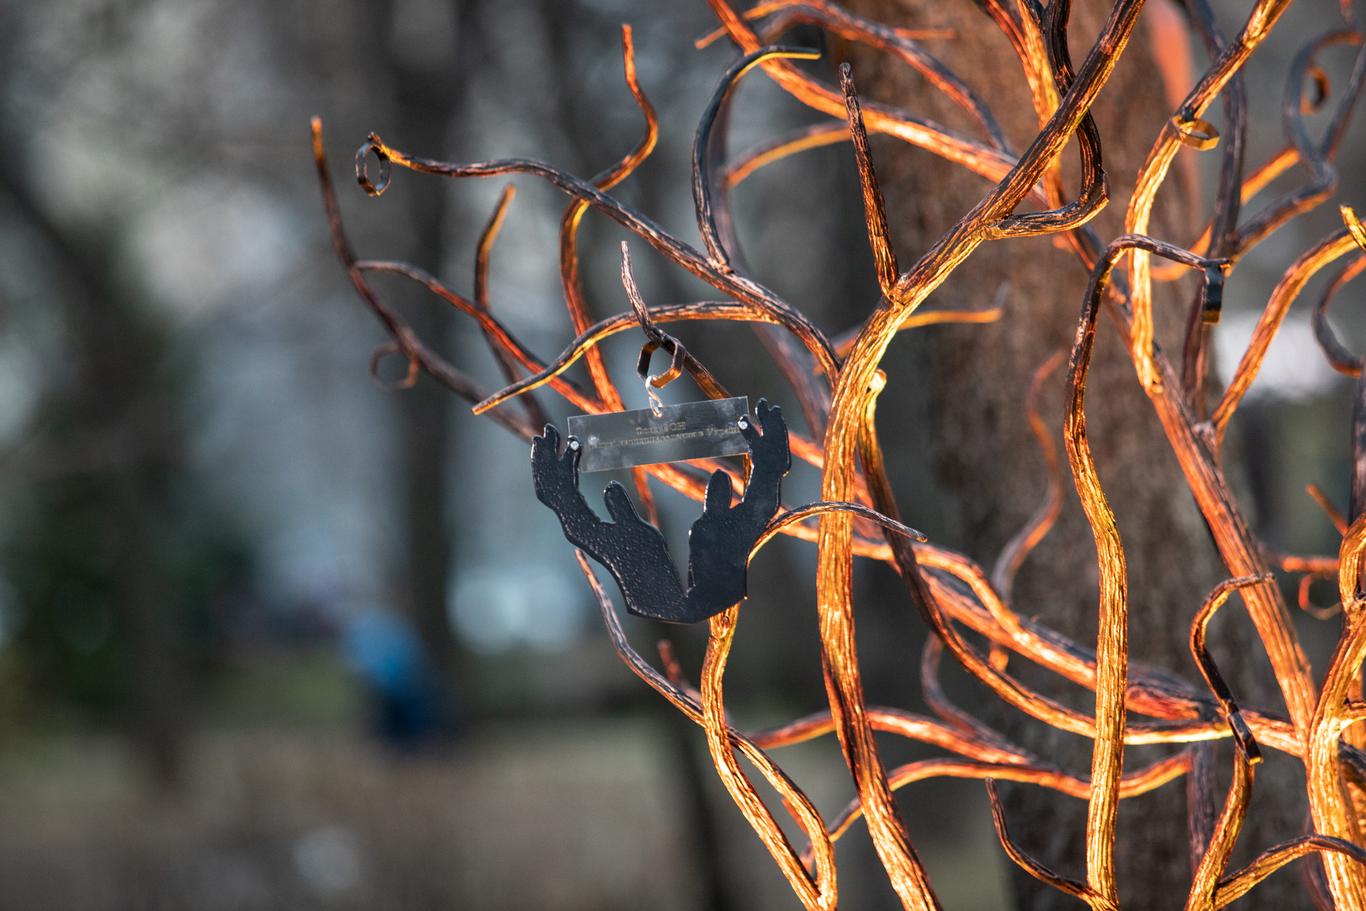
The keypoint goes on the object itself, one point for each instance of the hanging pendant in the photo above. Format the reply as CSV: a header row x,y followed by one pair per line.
x,y
632,550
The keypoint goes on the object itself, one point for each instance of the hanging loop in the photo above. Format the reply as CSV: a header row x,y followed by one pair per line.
x,y
656,381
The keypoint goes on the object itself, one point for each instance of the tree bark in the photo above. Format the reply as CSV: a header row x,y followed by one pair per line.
x,y
986,464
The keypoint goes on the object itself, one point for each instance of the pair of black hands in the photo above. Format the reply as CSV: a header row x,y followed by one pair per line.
x,y
634,551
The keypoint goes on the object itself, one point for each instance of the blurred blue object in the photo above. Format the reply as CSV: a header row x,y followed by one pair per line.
x,y
384,651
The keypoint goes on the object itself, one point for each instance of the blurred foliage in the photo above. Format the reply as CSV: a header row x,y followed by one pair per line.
x,y
65,584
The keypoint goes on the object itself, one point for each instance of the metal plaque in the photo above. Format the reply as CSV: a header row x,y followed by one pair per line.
x,y
691,430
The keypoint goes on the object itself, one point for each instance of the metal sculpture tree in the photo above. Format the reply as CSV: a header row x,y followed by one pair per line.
x,y
836,383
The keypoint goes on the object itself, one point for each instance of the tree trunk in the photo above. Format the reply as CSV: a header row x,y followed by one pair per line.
x,y
123,503
426,101
986,464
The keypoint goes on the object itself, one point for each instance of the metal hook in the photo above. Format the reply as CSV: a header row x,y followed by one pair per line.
x,y
655,381
655,338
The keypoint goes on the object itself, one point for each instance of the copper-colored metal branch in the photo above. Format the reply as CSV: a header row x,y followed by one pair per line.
x,y
1033,867
500,338
815,136
1095,192
1257,181
1018,548
1225,835
814,893
703,153
817,894
1184,124
1242,736
929,317
675,250
404,338
484,249
767,8
1339,521
1296,277
1140,781
1316,156
507,361
874,208
939,703
1339,357
981,159
1236,885
896,42
1205,310
1329,805
1112,639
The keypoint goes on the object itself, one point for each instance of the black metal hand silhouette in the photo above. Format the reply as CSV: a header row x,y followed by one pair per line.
x,y
634,552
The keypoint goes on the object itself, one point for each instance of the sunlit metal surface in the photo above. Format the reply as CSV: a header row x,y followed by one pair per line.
x,y
680,433
1132,705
